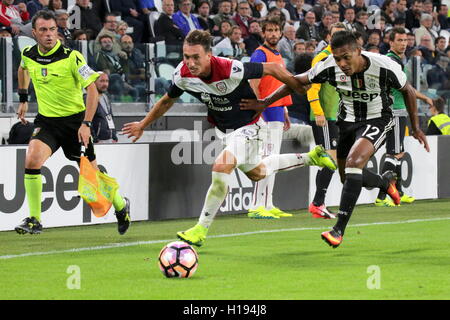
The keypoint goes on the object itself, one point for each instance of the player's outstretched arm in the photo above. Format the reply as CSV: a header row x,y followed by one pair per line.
x,y
280,73
136,129
409,94
301,81
24,83
424,98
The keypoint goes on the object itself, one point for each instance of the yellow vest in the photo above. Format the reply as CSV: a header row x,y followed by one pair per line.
x,y
442,122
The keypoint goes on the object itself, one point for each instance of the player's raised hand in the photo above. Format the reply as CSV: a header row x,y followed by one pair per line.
x,y
422,138
133,129
23,108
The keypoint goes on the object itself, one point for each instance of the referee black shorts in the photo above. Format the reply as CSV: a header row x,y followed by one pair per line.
x,y
62,132
395,137
327,136
374,130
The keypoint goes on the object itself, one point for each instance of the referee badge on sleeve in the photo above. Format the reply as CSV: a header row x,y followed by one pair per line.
x,y
85,71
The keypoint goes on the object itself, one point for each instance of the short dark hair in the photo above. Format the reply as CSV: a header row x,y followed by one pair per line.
x,y
361,13
302,63
343,38
438,38
103,36
78,33
43,14
358,34
395,31
349,8
386,4
372,47
439,104
199,37
110,14
202,2
272,21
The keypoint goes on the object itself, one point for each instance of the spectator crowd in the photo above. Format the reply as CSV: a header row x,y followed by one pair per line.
x,y
118,29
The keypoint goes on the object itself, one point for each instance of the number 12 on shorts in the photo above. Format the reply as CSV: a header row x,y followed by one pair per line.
x,y
371,132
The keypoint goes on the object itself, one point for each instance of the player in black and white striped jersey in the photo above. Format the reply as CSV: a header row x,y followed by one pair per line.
x,y
364,81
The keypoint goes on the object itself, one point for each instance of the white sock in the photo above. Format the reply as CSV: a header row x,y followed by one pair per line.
x,y
285,162
262,195
276,131
214,197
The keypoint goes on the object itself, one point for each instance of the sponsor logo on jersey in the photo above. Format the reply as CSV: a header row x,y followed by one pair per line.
x,y
205,97
221,86
371,83
43,60
364,96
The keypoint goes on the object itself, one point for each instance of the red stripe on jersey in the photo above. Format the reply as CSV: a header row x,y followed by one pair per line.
x,y
220,70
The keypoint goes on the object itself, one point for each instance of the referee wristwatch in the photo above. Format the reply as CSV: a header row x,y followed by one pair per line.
x,y
87,123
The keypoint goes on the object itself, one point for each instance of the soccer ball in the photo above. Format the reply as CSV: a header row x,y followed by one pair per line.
x,y
178,259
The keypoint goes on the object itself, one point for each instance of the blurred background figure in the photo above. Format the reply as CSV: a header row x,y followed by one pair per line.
x,y
103,129
439,123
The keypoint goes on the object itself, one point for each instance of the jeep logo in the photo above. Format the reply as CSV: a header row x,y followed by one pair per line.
x,y
357,95
62,182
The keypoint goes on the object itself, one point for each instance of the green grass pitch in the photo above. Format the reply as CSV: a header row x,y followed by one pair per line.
x,y
387,253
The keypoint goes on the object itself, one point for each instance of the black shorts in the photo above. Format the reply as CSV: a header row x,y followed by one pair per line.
x,y
374,130
62,132
395,137
326,136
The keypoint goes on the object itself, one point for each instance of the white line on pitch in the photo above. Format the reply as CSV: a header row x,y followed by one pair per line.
x,y
137,243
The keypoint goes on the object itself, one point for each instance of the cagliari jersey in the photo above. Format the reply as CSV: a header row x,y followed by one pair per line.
x,y
222,91
58,78
365,95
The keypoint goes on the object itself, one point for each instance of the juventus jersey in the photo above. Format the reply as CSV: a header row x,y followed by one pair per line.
x,y
222,91
365,95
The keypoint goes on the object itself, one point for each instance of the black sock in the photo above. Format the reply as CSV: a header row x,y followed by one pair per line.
x,y
388,165
323,179
350,194
398,171
371,179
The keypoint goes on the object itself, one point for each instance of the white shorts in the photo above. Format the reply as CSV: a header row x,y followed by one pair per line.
x,y
246,144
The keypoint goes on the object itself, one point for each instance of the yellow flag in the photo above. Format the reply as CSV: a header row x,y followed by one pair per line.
x,y
96,188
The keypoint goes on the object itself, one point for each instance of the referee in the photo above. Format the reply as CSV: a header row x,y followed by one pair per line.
x,y
59,74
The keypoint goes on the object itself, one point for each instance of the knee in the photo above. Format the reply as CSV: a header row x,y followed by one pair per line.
x,y
32,162
354,162
256,174
219,184
222,168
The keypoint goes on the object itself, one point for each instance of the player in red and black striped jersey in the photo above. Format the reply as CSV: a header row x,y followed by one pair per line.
x,y
221,84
